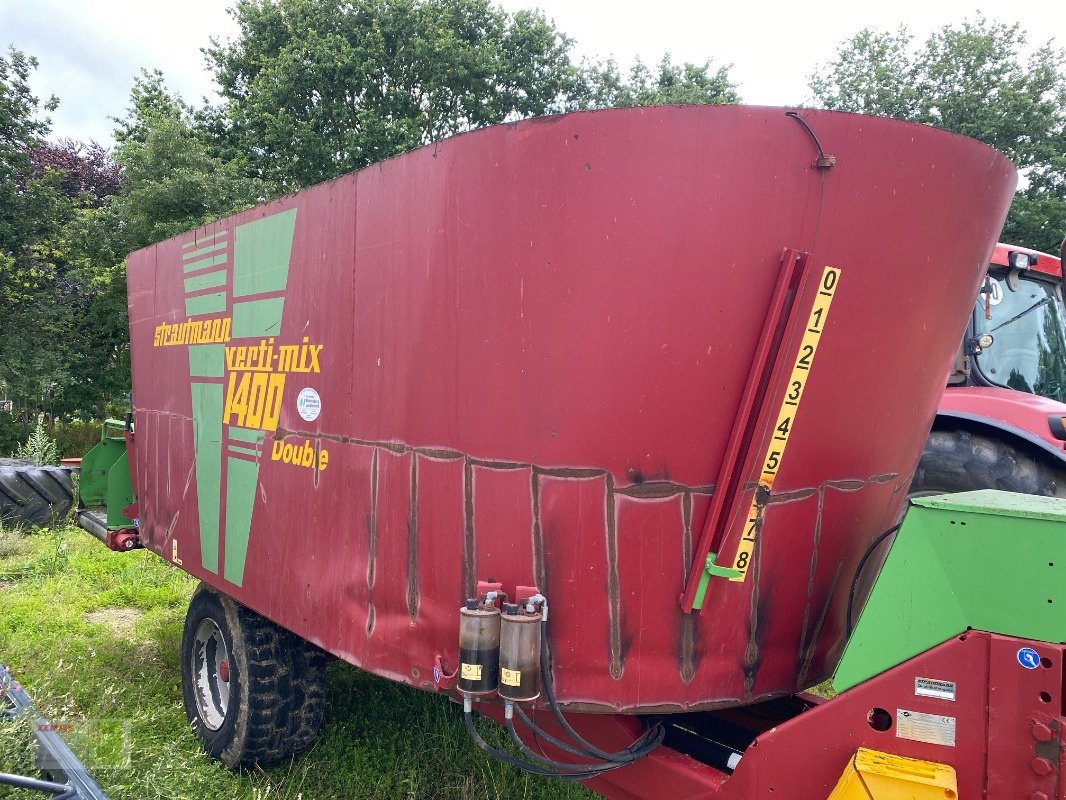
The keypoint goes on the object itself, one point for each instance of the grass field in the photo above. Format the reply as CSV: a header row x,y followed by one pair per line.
x,y
94,636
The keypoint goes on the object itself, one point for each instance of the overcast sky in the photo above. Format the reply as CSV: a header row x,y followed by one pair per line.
x,y
90,50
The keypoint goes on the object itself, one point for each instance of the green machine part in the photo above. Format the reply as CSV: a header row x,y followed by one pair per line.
x,y
988,560
105,478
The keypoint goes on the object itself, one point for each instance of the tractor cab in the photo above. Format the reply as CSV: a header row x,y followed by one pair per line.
x,y
1017,333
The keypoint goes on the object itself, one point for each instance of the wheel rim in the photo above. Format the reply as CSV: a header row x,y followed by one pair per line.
x,y
211,674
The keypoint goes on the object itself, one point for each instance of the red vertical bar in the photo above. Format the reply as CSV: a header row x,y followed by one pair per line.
x,y
794,265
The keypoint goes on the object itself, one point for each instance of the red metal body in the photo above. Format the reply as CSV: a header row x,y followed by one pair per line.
x,y
1019,418
1019,412
534,343
1041,262
1007,725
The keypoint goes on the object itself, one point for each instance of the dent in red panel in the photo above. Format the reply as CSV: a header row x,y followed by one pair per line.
x,y
573,528
503,524
650,580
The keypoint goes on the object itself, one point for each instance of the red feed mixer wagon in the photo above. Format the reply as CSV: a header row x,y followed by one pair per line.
x,y
612,363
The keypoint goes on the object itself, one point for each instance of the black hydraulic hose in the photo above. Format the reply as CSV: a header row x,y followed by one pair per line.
x,y
858,573
582,770
630,754
638,747
507,758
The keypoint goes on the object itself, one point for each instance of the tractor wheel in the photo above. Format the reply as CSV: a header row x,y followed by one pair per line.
x,y
960,461
34,495
254,692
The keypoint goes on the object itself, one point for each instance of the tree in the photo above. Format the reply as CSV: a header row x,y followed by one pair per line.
x,y
601,85
23,200
974,79
32,210
172,180
317,88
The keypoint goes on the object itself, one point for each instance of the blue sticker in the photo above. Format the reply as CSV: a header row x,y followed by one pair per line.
x,y
436,673
1029,658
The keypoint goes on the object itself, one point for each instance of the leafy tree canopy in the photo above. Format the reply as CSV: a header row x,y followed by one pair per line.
x,y
979,79
172,180
601,85
315,89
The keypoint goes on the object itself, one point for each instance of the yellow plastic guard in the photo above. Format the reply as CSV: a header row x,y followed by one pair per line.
x,y
872,775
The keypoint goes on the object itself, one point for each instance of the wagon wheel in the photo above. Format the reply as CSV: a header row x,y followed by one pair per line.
x,y
254,692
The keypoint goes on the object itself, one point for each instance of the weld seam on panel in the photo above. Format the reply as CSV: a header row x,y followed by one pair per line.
x,y
372,549
412,544
752,660
816,632
812,576
538,533
469,543
613,589
372,546
687,650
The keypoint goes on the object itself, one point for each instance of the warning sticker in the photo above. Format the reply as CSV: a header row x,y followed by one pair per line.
x,y
471,672
510,677
930,687
929,728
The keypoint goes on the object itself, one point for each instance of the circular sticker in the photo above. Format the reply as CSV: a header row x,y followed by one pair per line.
x,y
309,404
1029,658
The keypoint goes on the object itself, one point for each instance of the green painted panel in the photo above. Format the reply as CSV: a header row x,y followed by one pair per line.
x,y
119,494
207,360
207,443
987,560
209,280
244,450
257,318
261,251
205,304
1006,504
95,467
204,263
246,434
204,250
241,477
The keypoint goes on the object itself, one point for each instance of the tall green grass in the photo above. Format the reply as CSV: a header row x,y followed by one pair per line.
x,y
94,635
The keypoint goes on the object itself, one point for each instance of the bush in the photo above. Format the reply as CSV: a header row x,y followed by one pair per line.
x,y
75,438
12,433
40,448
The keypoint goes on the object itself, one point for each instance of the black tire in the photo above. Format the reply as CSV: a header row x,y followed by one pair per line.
x,y
960,461
34,495
276,684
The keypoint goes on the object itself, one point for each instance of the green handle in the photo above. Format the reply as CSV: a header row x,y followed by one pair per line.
x,y
111,423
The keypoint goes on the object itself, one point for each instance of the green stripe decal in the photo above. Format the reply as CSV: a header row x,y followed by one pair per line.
x,y
209,280
257,318
207,454
261,252
206,360
245,434
205,240
245,450
204,263
213,303
203,251
241,477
